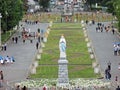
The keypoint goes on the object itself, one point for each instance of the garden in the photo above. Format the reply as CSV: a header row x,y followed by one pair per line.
x,y
80,71
80,64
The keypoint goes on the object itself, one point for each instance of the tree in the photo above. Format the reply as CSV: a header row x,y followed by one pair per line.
x,y
109,4
90,3
12,12
44,4
116,6
106,3
25,5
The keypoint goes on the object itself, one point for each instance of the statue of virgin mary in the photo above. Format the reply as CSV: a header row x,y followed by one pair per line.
x,y
62,47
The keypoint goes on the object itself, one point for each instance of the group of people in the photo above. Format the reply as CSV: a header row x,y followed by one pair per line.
x,y
4,47
116,49
100,28
31,22
6,59
28,35
110,28
15,39
19,88
91,22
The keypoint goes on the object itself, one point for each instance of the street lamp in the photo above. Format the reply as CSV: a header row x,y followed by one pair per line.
x,y
0,28
6,20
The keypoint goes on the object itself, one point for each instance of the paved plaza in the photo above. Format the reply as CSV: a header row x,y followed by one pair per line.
x,y
103,43
24,54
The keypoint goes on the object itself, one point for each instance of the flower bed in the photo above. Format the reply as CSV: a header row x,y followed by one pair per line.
x,y
79,82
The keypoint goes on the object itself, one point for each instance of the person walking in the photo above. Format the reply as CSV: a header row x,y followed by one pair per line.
x,y
116,78
24,88
5,47
13,39
115,50
1,78
118,88
118,47
118,66
113,31
2,47
18,87
44,88
1,75
109,65
16,40
106,73
37,45
109,75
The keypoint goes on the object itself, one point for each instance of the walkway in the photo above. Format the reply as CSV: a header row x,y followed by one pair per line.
x,y
24,54
102,43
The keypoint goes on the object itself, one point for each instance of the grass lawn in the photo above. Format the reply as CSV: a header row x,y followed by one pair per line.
x,y
6,36
80,64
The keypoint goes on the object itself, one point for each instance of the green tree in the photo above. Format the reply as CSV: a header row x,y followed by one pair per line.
x,y
44,4
116,6
25,5
107,3
12,12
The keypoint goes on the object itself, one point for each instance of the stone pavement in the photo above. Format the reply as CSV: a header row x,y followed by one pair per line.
x,y
24,54
102,43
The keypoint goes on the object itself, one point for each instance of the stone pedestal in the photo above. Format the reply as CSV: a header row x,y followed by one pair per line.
x,y
63,79
36,64
45,39
38,56
96,70
42,44
33,70
40,51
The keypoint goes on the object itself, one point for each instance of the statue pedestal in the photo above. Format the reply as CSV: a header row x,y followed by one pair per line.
x,y
63,79
62,55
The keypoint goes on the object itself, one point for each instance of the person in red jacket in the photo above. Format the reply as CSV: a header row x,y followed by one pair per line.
x,y
44,88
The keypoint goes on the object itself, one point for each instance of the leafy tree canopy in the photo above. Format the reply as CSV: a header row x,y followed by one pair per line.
x,y
12,12
44,3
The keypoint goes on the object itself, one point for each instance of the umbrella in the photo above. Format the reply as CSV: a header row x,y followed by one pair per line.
x,y
116,43
1,57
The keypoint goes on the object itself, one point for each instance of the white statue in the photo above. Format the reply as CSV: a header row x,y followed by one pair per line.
x,y
62,47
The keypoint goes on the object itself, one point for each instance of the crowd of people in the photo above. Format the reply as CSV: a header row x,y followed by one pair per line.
x,y
6,60
101,27
31,22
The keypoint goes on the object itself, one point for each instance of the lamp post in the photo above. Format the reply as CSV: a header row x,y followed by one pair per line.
x,y
6,20
0,28
6,25
98,16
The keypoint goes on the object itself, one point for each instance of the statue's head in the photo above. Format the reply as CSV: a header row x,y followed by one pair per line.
x,y
62,36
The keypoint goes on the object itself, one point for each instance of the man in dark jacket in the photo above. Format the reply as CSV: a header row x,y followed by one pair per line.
x,y
118,88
